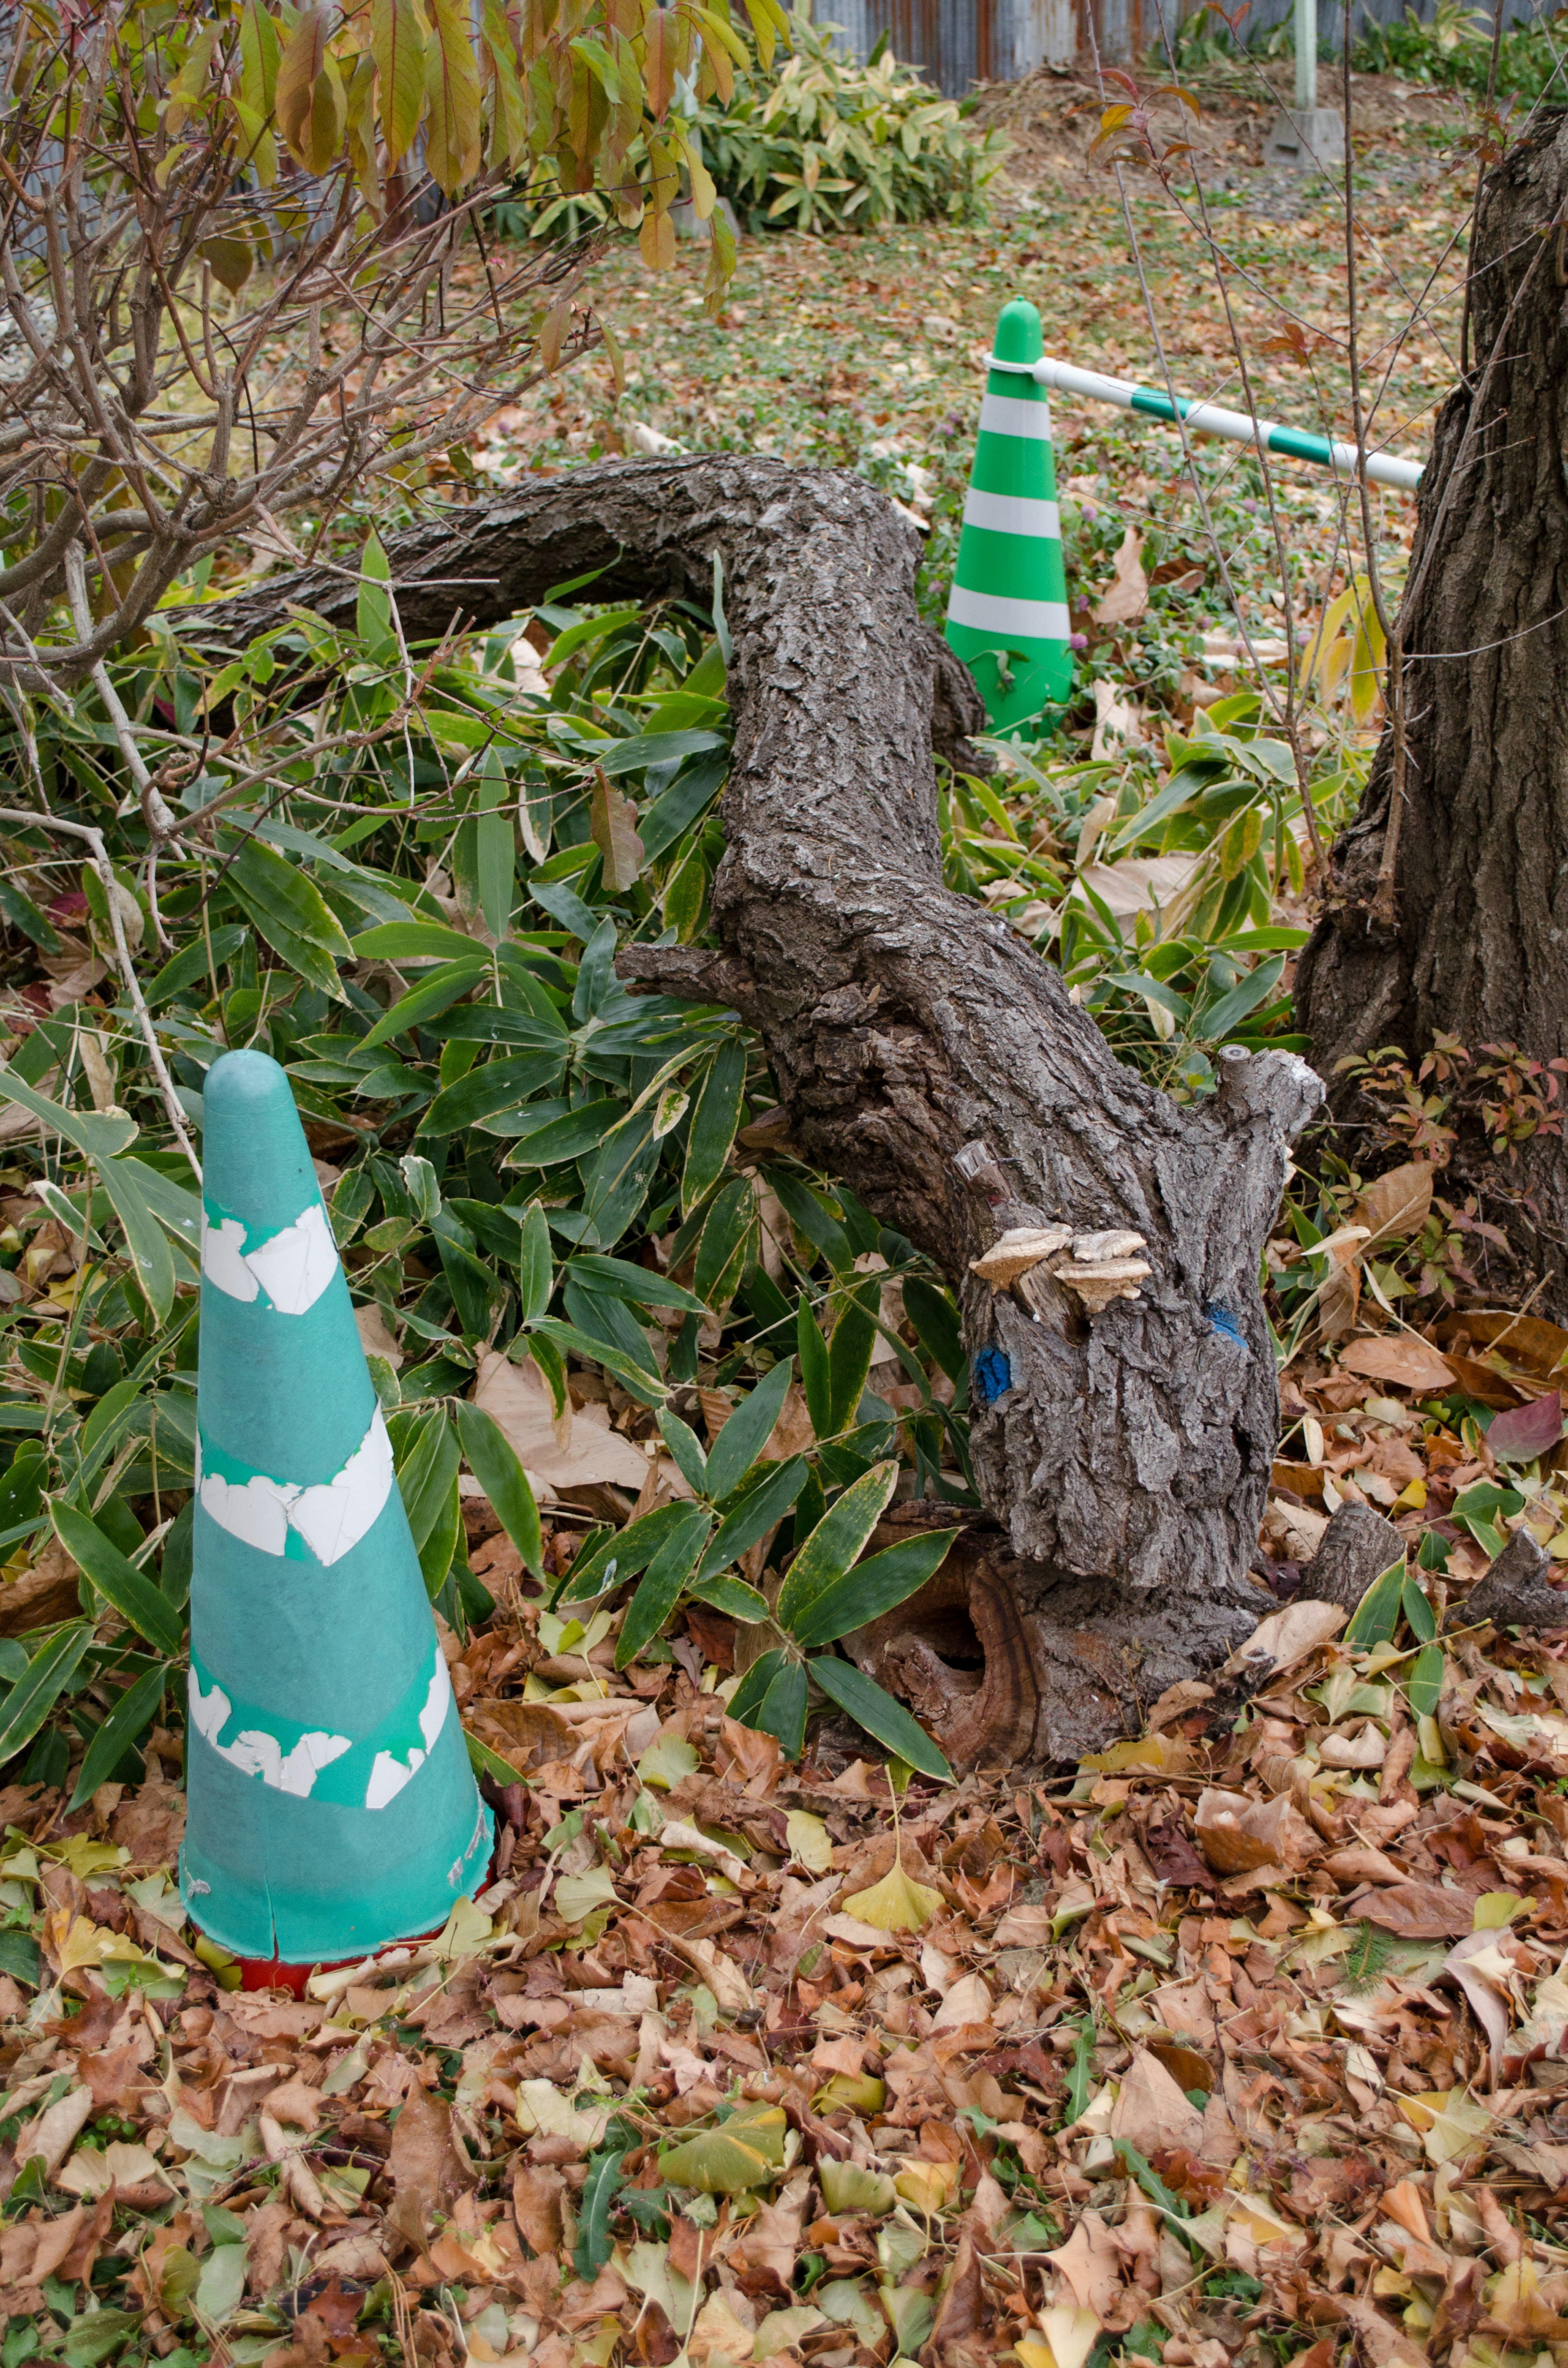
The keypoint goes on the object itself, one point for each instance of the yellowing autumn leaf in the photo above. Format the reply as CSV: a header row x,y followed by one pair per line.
x,y
75,1941
928,2186
808,1839
897,1904
1450,2123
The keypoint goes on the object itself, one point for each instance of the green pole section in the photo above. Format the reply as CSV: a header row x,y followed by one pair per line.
x,y
332,1807
1008,609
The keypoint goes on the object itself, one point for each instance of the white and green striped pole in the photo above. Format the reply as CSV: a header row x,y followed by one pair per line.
x,y
1213,419
331,1808
1008,609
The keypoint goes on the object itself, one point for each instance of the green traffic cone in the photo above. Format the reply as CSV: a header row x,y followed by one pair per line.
x,y
332,1807
1010,586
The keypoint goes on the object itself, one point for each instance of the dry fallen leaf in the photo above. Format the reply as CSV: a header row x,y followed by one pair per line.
x,y
1127,598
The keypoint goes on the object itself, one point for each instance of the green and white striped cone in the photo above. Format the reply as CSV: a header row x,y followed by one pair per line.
x,y
1010,586
332,1807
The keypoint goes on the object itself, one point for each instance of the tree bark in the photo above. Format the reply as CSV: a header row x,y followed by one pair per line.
x,y
1124,1463
1469,936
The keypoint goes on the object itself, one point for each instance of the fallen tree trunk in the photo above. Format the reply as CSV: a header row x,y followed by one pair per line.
x,y
928,1056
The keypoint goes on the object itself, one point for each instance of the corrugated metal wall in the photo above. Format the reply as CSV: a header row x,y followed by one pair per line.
x,y
958,42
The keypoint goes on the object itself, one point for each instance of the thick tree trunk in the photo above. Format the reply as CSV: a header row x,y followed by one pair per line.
x,y
1123,1453
1469,933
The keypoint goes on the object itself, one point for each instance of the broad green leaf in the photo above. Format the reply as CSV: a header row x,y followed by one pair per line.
x,y
743,2153
427,1474
373,612
714,1124
620,1554
782,1710
687,1450
595,2244
288,910
143,1235
1376,1617
665,1576
935,1320
731,1596
849,1355
423,1002
812,1351
130,1590
397,43
746,1432
32,1697
725,1249
190,965
568,1137
1425,1686
497,1085
417,942
752,1692
496,850
1418,1612
755,1513
535,1265
97,1134
836,1542
872,1589
880,1716
494,1461
132,1711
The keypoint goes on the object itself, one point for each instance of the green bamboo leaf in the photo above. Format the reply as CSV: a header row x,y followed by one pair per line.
x,y
498,1086
423,1002
713,1124
731,1596
936,1321
746,1432
813,1350
687,1448
288,910
416,942
642,1386
143,1235
1426,1678
99,1134
871,1589
752,1692
620,1554
667,1575
536,1266
495,850
427,1474
755,1513
190,965
33,1696
568,1137
130,1590
494,1461
1376,1617
133,1710
1418,1612
724,1251
849,1355
595,2244
836,1542
880,1716
782,1710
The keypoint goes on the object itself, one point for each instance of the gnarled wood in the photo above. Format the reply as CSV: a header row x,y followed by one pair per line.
x,y
1123,1453
1477,944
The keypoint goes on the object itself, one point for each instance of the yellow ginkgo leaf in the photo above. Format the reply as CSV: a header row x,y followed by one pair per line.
x,y
897,1904
742,2153
809,1840
927,2185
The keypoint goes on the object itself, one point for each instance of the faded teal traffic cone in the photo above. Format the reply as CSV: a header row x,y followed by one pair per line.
x,y
332,1806
1009,594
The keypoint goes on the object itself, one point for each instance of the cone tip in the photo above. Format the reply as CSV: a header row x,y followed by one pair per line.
x,y
256,1161
1018,334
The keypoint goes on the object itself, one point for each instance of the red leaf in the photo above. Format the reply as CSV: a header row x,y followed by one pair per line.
x,y
1526,1431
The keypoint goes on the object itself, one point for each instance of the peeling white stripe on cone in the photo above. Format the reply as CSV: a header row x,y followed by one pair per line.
x,y
389,1774
256,1753
294,1268
331,1517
